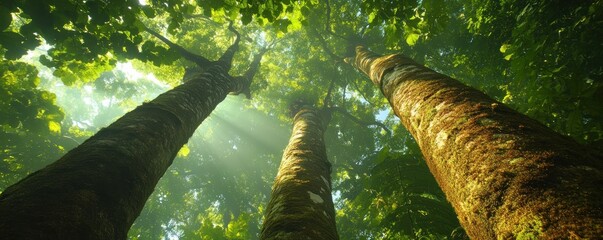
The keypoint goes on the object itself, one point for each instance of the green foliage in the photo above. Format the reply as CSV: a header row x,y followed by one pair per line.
x,y
22,104
541,57
569,82
394,195
29,123
558,87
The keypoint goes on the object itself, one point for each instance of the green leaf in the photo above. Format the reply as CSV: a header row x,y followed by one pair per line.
x,y
282,24
508,56
574,122
184,151
13,42
504,48
382,155
54,127
412,38
5,18
245,18
372,16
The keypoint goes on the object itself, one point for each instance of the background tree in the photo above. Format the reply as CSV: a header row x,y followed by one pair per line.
x,y
301,205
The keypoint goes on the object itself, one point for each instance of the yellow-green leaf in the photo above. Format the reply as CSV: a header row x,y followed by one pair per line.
x,y
184,151
508,56
54,127
504,48
412,39
372,16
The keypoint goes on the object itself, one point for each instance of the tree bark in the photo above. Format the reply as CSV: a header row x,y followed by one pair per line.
x,y
97,190
506,175
301,206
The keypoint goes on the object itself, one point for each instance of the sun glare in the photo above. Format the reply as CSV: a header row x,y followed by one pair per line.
x,y
235,125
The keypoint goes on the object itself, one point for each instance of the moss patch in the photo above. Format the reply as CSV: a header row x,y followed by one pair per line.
x,y
529,229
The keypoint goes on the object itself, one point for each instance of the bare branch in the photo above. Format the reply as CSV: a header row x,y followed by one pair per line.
x,y
328,13
362,93
197,59
244,81
226,58
345,87
361,122
203,17
325,46
327,100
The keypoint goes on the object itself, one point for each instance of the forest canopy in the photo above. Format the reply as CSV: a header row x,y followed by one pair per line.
x,y
70,68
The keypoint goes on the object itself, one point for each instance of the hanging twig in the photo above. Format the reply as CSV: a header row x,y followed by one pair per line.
x,y
327,100
345,88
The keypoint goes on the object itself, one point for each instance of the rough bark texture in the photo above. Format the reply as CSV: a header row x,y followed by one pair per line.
x,y
301,206
506,175
97,190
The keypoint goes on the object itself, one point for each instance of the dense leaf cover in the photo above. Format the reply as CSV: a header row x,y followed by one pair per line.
x,y
67,71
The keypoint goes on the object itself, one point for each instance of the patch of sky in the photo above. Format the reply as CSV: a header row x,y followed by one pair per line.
x,y
382,114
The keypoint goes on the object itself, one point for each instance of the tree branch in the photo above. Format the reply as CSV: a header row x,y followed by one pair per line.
x,y
362,93
244,81
328,13
255,64
361,122
325,46
203,17
226,58
197,59
345,87
327,100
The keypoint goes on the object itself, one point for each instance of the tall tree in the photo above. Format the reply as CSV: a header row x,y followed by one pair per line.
x,y
515,51
98,189
506,175
301,205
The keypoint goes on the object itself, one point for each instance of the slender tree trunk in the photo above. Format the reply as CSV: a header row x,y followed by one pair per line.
x,y
301,206
506,175
97,190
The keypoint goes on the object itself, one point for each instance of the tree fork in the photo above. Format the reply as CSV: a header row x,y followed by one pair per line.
x,y
507,175
242,83
301,206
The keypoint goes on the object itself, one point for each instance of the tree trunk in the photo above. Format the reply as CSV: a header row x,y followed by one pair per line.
x,y
506,175
301,206
97,190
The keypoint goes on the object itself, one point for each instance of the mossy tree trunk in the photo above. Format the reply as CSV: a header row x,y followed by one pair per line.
x,y
301,206
97,190
506,175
